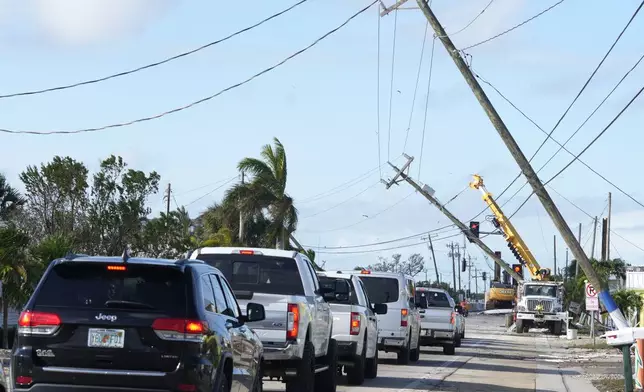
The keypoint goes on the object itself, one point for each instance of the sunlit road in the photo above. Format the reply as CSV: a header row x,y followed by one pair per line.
x,y
489,360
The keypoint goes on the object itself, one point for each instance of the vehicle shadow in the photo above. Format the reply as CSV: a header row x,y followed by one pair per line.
x,y
444,386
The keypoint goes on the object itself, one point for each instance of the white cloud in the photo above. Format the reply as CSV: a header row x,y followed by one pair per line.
x,y
82,22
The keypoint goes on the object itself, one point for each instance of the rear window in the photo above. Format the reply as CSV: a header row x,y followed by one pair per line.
x,y
260,274
330,283
381,290
435,299
93,286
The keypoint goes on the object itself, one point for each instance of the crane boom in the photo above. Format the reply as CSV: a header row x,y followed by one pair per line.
x,y
515,242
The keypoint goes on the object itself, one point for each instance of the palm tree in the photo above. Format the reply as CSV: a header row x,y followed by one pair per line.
x,y
10,199
266,193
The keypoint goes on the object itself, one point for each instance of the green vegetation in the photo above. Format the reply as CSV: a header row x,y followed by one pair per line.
x,y
66,209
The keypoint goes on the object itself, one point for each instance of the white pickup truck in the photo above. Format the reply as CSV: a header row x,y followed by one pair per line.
x,y
438,319
297,331
355,326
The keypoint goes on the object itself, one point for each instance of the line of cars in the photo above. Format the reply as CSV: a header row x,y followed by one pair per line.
x,y
221,320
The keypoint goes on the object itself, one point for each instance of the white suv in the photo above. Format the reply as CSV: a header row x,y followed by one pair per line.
x,y
399,329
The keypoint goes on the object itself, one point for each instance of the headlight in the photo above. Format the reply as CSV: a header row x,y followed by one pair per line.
x,y
521,308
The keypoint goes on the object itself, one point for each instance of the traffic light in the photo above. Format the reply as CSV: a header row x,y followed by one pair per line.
x,y
463,265
518,268
474,228
484,276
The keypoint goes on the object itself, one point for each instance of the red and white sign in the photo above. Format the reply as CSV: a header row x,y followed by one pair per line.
x,y
590,291
592,304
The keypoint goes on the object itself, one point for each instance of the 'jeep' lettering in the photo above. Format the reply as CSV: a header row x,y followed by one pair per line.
x,y
106,317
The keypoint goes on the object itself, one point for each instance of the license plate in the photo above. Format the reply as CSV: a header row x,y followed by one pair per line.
x,y
106,338
392,342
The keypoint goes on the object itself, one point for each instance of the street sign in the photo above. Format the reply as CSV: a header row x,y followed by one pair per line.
x,y
592,304
590,291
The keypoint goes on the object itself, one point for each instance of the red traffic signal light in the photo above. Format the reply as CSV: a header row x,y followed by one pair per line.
x,y
474,228
518,268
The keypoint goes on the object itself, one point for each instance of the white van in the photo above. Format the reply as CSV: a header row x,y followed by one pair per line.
x,y
399,329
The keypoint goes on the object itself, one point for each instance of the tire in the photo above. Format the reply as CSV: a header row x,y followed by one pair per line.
x,y
305,379
463,334
371,369
327,381
258,385
414,355
519,325
356,374
224,384
557,327
457,343
449,349
403,354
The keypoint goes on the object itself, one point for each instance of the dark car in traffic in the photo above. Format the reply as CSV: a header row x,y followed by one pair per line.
x,y
134,324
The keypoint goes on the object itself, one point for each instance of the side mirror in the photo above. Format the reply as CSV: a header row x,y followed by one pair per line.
x,y
380,308
255,312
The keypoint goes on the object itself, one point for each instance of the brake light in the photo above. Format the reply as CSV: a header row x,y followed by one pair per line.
x,y
452,318
355,323
24,380
246,252
116,268
404,316
180,329
365,272
38,323
292,322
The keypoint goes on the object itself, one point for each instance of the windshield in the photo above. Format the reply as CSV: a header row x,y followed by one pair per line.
x,y
92,286
381,290
259,274
434,299
547,291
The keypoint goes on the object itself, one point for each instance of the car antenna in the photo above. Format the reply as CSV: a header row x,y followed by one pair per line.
x,y
126,255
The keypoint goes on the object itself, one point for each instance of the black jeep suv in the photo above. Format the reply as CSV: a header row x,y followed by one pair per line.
x,y
141,325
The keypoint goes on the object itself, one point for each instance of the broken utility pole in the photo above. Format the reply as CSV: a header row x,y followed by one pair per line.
x,y
527,170
428,193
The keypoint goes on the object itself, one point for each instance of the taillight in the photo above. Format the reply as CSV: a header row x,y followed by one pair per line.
x,y
24,380
453,318
180,329
38,323
292,322
355,323
404,316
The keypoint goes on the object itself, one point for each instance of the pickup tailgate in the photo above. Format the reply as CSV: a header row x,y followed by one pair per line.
x,y
342,321
436,319
271,330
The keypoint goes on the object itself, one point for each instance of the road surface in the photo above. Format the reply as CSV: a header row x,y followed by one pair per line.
x,y
489,360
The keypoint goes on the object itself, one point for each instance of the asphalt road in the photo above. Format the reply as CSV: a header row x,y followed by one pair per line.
x,y
489,360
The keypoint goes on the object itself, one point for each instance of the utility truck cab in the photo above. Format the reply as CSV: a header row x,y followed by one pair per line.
x,y
540,305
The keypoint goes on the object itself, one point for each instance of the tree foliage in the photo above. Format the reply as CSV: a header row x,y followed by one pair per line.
x,y
414,264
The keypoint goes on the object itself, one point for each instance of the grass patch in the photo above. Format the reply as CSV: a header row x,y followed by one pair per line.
x,y
609,385
599,345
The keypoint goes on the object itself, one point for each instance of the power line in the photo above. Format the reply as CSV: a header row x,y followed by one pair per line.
x,y
202,100
381,242
205,186
429,85
413,101
513,28
391,83
156,64
339,188
343,201
211,192
385,249
563,146
472,21
569,106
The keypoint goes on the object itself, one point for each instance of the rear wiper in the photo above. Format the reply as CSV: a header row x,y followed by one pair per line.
x,y
127,304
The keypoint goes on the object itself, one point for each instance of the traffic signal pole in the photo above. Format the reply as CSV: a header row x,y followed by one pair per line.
x,y
527,170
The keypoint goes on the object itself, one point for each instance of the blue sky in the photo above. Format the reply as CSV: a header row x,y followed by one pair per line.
x,y
322,105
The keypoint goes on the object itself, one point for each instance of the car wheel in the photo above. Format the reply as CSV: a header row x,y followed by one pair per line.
x,y
258,385
355,374
403,354
371,370
449,349
414,355
458,341
327,381
519,325
224,384
305,379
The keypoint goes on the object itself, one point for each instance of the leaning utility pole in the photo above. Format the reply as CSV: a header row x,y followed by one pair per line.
x,y
577,264
430,246
566,273
458,267
427,192
527,170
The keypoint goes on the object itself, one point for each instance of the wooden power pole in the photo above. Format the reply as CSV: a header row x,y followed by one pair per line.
x,y
527,170
168,194
592,250
554,244
608,226
241,218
